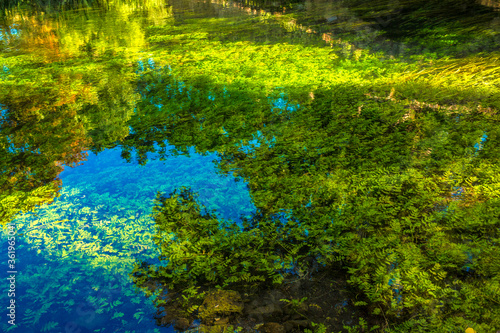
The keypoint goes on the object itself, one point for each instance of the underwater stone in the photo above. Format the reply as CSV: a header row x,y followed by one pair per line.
x,y
272,328
220,303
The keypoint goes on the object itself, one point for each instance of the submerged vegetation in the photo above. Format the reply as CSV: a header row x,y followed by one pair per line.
x,y
101,221
372,162
391,189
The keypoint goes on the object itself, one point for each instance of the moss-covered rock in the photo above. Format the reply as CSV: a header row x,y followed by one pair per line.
x,y
218,305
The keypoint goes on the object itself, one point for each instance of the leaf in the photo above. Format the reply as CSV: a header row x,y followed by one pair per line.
x,y
116,303
138,315
49,326
117,315
136,300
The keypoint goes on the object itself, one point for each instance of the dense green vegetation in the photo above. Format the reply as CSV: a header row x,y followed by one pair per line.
x,y
372,165
370,190
402,194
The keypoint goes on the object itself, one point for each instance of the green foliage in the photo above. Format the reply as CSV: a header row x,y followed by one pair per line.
x,y
295,304
361,327
348,177
318,328
201,250
386,193
16,201
452,81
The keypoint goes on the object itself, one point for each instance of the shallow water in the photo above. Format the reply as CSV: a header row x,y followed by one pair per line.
x,y
101,197
62,282
74,255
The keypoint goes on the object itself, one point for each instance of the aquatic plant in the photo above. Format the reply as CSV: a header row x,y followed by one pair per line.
x,y
383,170
354,174
94,231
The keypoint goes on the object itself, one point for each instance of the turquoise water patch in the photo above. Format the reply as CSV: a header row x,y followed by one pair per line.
x,y
74,256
